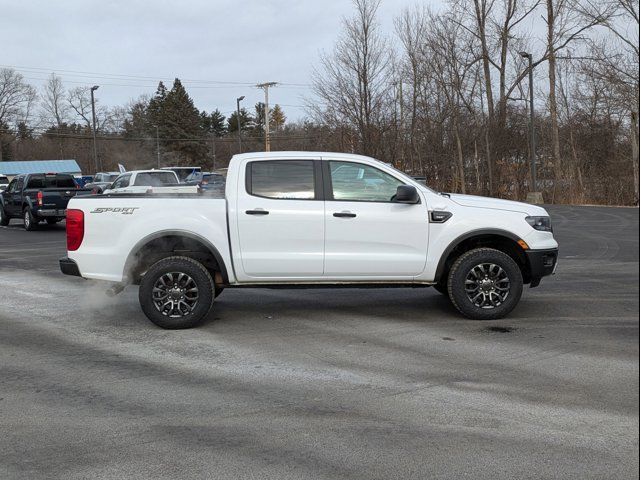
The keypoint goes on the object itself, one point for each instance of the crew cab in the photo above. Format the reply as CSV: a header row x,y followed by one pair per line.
x,y
292,219
37,197
140,181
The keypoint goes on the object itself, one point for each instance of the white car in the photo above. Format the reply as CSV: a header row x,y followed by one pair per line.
x,y
309,219
148,181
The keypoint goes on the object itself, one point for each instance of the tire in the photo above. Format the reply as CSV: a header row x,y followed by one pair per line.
x,y
30,222
180,310
485,284
4,218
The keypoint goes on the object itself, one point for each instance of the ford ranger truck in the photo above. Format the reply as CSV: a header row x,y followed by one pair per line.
x,y
292,219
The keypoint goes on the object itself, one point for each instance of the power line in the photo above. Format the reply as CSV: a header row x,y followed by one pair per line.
x,y
141,78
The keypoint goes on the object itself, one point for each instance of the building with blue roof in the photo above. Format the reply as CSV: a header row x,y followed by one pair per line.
x,y
11,169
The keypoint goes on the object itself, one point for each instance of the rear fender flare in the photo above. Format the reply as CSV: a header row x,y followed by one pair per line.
x,y
178,233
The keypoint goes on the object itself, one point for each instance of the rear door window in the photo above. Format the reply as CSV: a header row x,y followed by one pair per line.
x,y
282,179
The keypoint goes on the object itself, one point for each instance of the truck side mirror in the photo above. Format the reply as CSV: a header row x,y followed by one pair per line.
x,y
407,194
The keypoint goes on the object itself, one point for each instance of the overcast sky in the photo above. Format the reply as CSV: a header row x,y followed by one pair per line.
x,y
244,41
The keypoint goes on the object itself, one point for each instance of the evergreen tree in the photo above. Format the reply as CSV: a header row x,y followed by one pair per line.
x,y
246,121
218,126
277,118
213,123
139,125
155,110
6,137
182,124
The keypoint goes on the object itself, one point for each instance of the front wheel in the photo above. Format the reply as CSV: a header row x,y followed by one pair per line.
x,y
176,292
485,284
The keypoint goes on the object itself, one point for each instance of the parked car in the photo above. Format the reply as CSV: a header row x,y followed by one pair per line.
x,y
292,219
141,181
206,180
4,182
101,181
83,180
37,197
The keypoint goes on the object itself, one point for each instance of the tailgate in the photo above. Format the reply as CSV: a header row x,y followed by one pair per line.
x,y
57,198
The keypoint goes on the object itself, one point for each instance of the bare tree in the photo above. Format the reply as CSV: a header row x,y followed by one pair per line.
x,y
54,102
565,26
79,100
450,56
353,82
16,100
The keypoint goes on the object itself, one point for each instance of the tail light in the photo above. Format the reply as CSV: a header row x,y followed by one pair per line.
x,y
75,229
39,197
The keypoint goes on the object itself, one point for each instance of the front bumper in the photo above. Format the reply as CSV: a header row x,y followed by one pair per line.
x,y
542,263
69,267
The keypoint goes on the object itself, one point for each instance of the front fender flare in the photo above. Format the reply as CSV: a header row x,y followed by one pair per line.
x,y
466,236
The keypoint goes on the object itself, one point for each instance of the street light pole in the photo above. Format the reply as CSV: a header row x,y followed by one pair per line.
x,y
532,132
93,113
238,100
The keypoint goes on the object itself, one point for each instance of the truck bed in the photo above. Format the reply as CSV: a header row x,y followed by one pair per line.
x,y
116,223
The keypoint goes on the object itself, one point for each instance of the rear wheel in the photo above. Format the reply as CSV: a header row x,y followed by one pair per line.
x,y
4,218
485,284
176,292
30,223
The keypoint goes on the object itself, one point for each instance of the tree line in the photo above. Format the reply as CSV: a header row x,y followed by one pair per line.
x,y
444,96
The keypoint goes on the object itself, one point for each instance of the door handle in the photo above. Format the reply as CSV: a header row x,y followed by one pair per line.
x,y
344,214
257,212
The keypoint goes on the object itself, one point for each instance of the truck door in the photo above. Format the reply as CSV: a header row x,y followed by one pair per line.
x,y
367,234
7,197
280,219
15,199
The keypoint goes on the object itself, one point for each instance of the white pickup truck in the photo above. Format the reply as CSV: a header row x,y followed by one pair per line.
x,y
141,181
291,219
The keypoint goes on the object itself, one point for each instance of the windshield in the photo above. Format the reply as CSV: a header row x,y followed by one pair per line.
x,y
155,179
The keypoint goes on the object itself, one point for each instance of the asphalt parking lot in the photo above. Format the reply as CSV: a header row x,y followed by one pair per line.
x,y
356,383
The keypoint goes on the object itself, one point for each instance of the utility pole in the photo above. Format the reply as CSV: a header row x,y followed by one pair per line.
x,y
265,87
93,113
158,145
238,100
532,131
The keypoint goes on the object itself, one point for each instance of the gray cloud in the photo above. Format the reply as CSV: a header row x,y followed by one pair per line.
x,y
236,41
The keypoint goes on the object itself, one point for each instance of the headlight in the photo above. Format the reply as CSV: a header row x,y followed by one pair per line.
x,y
540,223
